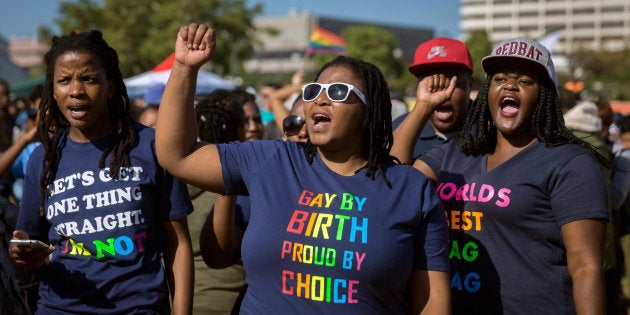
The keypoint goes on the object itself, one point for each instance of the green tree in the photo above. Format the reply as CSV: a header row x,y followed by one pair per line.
x,y
479,45
603,72
143,31
374,45
377,46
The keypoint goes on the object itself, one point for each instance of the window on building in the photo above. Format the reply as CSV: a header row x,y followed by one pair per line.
x,y
528,14
584,11
612,24
612,9
584,25
556,12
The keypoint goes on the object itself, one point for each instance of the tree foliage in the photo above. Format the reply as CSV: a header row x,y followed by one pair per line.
x,y
374,45
604,73
479,45
143,31
377,46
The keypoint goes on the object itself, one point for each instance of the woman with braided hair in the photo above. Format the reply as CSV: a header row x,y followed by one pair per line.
x,y
115,220
336,226
525,199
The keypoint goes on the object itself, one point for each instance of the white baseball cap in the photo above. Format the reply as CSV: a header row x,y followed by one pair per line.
x,y
521,49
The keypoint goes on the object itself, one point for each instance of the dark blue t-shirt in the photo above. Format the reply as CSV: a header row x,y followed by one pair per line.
x,y
108,235
427,139
507,253
321,243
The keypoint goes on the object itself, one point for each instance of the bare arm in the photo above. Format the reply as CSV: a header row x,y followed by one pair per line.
x,y
277,99
431,92
176,129
8,157
220,239
279,96
584,241
178,262
426,170
430,292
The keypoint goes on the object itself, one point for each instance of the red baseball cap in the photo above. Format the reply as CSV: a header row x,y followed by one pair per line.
x,y
441,52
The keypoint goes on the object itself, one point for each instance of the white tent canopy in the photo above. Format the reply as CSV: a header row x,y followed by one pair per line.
x,y
138,85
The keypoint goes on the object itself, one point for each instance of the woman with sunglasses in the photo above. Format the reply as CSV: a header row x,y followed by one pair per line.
x,y
294,125
336,226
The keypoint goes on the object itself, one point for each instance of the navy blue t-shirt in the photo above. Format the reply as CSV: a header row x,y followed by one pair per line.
x,y
108,234
507,254
427,139
321,243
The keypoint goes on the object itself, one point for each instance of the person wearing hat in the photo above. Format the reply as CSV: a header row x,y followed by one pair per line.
x,y
449,58
525,199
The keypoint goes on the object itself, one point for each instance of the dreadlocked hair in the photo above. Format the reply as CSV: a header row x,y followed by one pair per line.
x,y
220,116
53,122
479,134
476,138
378,118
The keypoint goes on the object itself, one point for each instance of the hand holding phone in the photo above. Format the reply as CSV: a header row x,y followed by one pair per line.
x,y
29,243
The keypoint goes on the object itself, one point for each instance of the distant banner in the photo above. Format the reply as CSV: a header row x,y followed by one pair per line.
x,y
324,41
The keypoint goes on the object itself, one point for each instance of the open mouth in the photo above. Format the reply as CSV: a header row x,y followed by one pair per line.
x,y
510,105
444,113
320,118
77,112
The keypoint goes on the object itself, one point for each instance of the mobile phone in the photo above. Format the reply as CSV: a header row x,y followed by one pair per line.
x,y
29,243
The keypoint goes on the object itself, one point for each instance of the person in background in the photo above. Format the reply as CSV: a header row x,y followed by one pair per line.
x,y
33,104
18,288
447,57
254,128
265,91
607,115
148,115
114,219
585,120
525,199
6,121
620,191
26,141
294,125
280,96
399,107
18,169
348,117
220,119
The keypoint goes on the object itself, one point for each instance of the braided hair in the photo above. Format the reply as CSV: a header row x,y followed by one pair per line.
x,y
220,116
378,118
53,125
479,135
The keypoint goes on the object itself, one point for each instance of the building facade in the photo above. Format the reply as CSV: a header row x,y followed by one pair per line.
x,y
284,51
586,24
9,71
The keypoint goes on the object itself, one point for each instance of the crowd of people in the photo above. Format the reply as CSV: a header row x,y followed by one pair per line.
x,y
324,195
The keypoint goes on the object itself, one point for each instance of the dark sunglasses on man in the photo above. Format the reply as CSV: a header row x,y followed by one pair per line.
x,y
292,124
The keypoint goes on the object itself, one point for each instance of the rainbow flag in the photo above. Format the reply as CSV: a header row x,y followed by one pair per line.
x,y
324,41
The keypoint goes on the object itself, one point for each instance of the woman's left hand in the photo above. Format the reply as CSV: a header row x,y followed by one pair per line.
x,y
195,45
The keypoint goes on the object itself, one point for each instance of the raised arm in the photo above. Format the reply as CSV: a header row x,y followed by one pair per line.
x,y
277,99
176,130
432,91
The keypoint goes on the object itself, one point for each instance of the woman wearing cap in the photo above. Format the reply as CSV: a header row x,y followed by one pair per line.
x,y
525,199
328,233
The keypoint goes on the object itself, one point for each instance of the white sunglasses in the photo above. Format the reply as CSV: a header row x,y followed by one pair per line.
x,y
336,91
